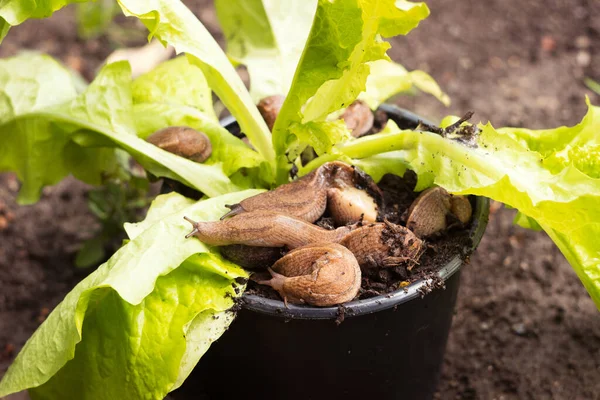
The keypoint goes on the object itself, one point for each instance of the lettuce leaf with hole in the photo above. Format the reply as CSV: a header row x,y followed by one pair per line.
x,y
517,167
110,338
173,23
388,79
267,36
345,37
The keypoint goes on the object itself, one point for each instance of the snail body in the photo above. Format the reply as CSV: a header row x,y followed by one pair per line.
x,y
307,198
383,244
427,215
269,108
183,141
349,205
358,118
264,229
252,257
318,275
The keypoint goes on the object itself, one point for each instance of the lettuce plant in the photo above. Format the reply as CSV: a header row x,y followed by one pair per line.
x,y
136,327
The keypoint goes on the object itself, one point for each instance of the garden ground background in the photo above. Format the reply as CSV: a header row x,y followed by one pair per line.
x,y
524,326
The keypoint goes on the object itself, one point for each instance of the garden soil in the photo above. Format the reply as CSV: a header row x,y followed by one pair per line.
x,y
524,326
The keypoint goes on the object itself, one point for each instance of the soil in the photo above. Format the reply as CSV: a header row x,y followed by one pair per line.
x,y
524,327
379,279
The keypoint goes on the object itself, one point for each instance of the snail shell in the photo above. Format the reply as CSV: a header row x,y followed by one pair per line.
x,y
183,141
318,275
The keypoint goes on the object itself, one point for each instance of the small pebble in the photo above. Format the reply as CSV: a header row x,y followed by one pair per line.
x,y
582,42
583,58
519,329
548,43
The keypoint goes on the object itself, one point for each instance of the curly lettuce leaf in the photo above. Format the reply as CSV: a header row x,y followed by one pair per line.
x,y
388,79
578,146
268,37
15,12
510,166
48,130
94,18
38,150
177,94
173,23
345,37
110,338
175,82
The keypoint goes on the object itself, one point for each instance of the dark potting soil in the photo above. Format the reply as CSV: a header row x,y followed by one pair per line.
x,y
398,194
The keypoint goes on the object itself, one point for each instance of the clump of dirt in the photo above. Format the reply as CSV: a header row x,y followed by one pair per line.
x,y
398,194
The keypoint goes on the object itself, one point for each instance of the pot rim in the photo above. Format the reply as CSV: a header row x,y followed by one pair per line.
x,y
277,308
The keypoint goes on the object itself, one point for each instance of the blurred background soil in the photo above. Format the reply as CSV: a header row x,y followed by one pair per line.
x,y
524,328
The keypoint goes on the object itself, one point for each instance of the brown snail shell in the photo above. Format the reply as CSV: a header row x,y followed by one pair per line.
x,y
350,205
269,108
183,141
358,118
318,275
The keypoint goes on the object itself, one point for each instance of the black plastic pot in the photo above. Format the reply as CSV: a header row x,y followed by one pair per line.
x,y
387,347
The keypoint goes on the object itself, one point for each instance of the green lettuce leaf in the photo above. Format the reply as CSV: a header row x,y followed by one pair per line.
x,y
48,131
388,79
173,23
177,94
39,151
175,82
110,338
94,18
15,12
345,37
510,166
268,37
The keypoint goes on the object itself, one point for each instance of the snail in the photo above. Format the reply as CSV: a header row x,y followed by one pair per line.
x,y
349,205
358,118
383,244
183,141
252,257
428,213
307,198
269,108
264,229
318,275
